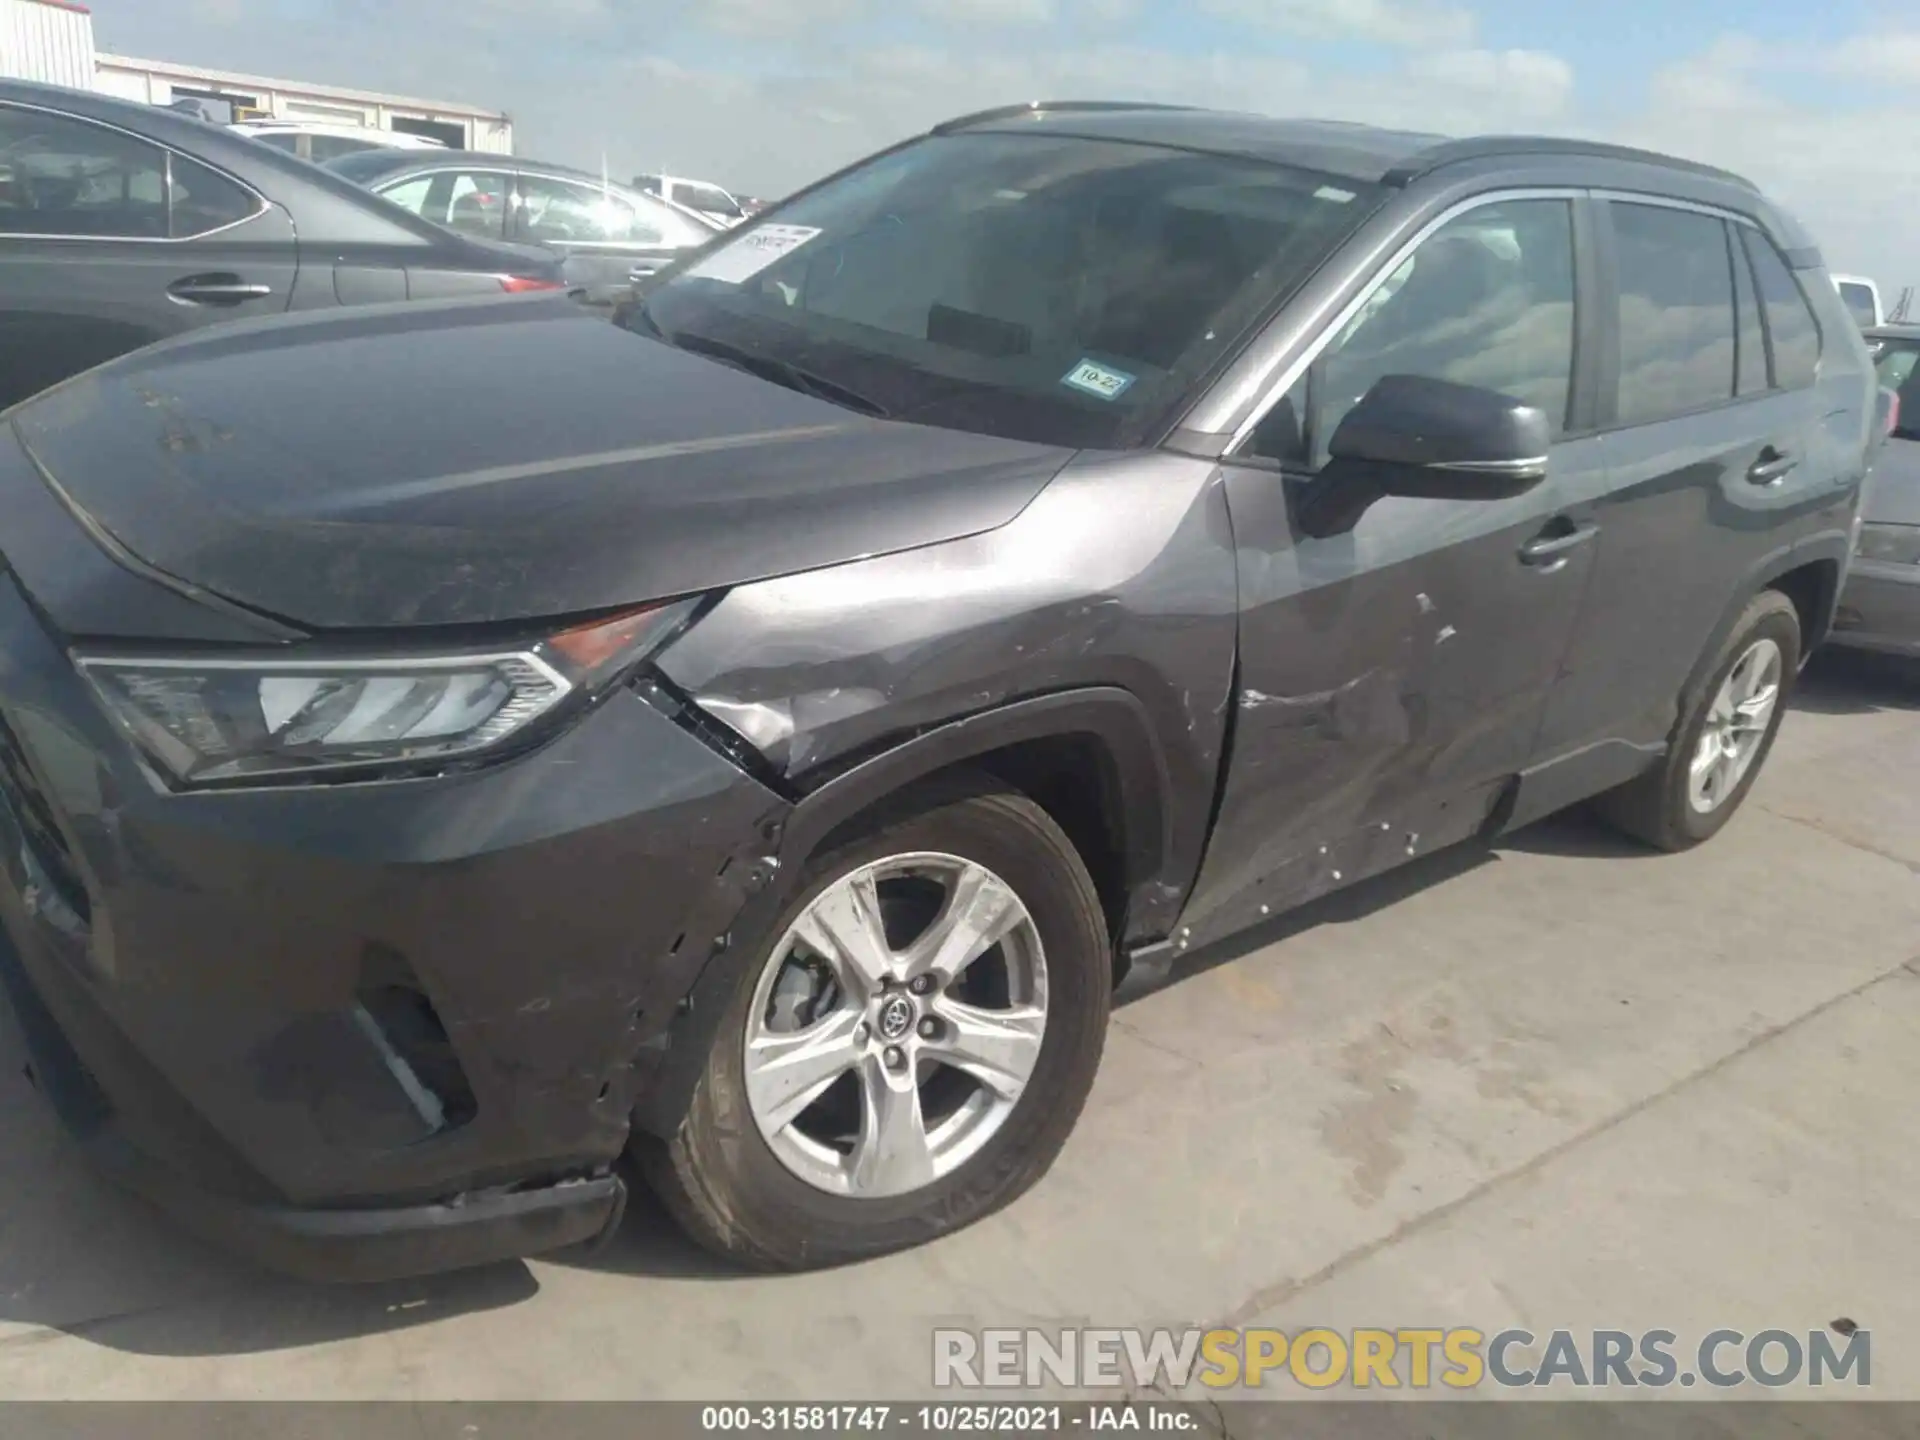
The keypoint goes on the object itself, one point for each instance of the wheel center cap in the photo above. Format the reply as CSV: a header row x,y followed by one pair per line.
x,y
895,1017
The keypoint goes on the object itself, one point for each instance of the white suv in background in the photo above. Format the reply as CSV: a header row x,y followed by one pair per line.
x,y
1862,298
710,200
321,142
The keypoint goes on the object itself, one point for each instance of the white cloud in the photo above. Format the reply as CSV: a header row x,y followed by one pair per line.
x,y
1890,58
798,87
1527,80
990,12
1411,24
771,19
1832,165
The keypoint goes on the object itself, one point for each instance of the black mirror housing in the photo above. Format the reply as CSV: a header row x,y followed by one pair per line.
x,y
1419,436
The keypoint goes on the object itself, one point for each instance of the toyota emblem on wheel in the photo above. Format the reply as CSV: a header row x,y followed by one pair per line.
x,y
896,1016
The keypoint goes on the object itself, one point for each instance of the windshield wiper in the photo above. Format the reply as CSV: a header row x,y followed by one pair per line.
x,y
779,372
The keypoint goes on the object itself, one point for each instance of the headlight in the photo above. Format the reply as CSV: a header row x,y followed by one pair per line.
x,y
215,719
1890,544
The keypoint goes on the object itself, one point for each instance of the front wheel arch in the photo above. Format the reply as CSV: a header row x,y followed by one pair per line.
x,y
933,764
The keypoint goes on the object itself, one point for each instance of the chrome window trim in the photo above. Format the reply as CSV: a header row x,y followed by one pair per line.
x,y
171,153
1635,197
1524,466
1329,328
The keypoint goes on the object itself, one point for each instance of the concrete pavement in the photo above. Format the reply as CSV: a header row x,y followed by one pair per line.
x,y
1561,1083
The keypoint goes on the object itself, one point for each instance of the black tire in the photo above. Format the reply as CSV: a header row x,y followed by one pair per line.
x,y
1655,806
728,1190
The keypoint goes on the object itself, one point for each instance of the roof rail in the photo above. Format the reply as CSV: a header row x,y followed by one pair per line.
x,y
1494,146
1032,107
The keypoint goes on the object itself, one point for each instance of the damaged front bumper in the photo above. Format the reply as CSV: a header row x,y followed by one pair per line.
x,y
367,1030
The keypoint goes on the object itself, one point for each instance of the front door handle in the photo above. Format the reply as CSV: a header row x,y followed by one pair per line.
x,y
1549,550
1771,468
216,290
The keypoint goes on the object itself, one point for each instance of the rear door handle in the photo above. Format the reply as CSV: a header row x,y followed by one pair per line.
x,y
1549,551
216,290
1771,468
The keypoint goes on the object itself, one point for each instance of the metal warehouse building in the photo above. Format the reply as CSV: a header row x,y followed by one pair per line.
x,y
52,41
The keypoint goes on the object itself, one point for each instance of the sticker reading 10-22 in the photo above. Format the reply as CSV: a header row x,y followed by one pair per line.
x,y
1097,380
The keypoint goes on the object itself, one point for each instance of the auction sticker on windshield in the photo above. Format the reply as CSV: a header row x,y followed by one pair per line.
x,y
1097,380
752,253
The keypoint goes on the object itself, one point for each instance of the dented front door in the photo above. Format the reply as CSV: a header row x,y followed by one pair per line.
x,y
1391,678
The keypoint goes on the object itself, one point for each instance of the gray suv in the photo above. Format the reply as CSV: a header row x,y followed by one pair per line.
x,y
446,747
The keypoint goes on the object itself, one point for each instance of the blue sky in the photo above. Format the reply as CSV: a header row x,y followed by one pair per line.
x,y
1812,101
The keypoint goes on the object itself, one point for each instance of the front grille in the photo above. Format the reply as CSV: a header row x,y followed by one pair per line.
x,y
44,837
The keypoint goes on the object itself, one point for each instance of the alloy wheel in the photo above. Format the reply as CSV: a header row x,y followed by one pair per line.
x,y
896,1025
1736,727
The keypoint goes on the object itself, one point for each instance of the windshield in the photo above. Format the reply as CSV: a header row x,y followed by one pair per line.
x,y
1859,300
1038,287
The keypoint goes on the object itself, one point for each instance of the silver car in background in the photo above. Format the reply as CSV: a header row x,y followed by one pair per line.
x,y
1880,609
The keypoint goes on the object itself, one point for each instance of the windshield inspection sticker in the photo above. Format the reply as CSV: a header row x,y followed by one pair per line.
x,y
1097,380
750,254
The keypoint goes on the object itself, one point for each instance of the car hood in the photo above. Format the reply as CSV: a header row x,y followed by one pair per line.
x,y
1893,490
472,463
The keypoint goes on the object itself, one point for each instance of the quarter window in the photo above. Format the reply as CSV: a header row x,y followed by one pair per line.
x,y
411,194
1792,332
1676,312
559,211
472,202
204,200
1486,300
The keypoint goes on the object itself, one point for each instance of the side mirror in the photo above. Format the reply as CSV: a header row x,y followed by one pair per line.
x,y
1433,439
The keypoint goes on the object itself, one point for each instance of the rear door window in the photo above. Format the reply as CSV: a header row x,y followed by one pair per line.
x,y
1676,314
60,176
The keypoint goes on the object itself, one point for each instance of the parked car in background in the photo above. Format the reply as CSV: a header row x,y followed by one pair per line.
x,y
764,733
1862,297
709,199
607,235
320,143
1881,607
121,224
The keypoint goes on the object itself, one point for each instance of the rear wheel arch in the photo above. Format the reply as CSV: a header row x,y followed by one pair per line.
x,y
1808,574
1814,587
